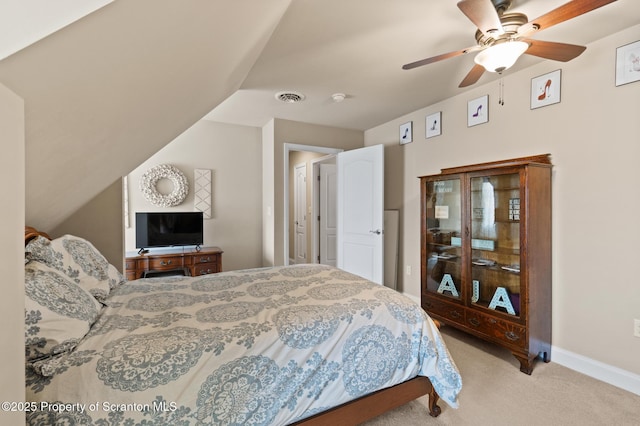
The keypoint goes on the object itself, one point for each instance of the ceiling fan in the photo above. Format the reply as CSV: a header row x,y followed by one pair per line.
x,y
502,37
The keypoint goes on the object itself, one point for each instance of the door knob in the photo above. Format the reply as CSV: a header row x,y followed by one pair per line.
x,y
377,232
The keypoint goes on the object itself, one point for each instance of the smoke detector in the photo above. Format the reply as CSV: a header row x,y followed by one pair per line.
x,y
290,97
338,97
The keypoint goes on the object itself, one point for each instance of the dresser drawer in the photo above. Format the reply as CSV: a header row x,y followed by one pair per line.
x,y
205,268
503,331
165,263
205,258
447,311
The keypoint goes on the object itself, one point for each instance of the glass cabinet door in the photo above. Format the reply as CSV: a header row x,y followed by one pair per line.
x,y
495,242
443,239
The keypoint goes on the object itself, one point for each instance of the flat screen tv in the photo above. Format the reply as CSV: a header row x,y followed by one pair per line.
x,y
165,229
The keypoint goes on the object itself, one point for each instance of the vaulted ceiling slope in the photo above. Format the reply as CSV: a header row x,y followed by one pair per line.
x,y
106,92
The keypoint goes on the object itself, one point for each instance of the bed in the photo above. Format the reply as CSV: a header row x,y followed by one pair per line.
x,y
304,344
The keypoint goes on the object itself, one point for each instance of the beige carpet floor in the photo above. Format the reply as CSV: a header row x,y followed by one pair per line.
x,y
496,393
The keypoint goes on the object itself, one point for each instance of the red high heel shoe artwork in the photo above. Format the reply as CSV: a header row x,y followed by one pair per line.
x,y
545,89
545,93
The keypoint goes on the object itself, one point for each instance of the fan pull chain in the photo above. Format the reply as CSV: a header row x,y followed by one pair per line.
x,y
501,92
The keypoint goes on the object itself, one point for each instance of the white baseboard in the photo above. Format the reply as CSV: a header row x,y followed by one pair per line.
x,y
412,297
598,370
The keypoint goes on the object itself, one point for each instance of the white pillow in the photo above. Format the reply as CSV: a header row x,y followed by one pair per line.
x,y
79,260
58,313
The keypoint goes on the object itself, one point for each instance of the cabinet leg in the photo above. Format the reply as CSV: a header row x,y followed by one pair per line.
x,y
546,356
526,363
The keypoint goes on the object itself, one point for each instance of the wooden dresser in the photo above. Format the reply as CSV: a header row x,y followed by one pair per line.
x,y
186,261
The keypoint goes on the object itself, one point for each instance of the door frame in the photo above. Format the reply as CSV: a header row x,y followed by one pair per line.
x,y
288,147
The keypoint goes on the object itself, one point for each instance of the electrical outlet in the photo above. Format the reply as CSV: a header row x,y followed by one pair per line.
x,y
636,327
408,269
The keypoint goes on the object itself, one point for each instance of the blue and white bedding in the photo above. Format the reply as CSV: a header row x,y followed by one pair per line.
x,y
261,346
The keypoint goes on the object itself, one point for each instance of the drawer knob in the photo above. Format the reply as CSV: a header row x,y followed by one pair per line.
x,y
511,336
455,314
474,322
205,259
165,263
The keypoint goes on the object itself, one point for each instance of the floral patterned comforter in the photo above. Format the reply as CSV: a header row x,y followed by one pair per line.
x,y
261,346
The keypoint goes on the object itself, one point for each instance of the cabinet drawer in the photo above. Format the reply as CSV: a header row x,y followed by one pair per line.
x,y
205,258
504,331
166,263
205,268
445,310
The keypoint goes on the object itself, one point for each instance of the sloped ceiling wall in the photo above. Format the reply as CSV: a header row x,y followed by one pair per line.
x,y
109,90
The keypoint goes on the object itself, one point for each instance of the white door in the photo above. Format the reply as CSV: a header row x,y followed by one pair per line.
x,y
328,214
300,213
360,235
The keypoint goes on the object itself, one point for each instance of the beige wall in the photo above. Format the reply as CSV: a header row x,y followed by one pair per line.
x,y
593,136
285,131
109,90
268,194
12,168
100,222
233,154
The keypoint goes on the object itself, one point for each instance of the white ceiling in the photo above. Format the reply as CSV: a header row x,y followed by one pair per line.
x,y
25,22
357,47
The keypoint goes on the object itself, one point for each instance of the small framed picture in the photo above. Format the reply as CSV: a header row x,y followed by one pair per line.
x,y
478,111
433,124
628,63
406,133
545,89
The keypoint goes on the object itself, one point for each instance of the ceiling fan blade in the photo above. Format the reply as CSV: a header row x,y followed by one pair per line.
x,y
551,50
473,76
563,13
483,14
439,58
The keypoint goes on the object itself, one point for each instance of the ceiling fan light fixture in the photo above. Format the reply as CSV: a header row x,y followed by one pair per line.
x,y
501,56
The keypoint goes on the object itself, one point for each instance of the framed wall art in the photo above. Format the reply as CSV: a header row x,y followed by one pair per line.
x,y
433,124
545,89
406,133
478,111
628,63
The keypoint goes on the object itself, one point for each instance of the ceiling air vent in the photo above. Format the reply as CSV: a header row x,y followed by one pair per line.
x,y
290,97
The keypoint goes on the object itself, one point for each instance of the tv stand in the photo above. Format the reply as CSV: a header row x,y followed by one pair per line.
x,y
143,251
206,260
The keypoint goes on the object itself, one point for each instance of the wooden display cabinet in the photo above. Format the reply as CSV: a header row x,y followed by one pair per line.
x,y
486,253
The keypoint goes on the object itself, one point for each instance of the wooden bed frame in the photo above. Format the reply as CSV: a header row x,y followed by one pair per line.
x,y
356,411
